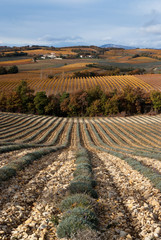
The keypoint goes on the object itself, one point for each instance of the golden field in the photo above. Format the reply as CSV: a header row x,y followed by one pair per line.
x,y
40,82
15,62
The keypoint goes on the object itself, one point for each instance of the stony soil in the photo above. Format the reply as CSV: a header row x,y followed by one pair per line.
x,y
131,203
29,200
128,207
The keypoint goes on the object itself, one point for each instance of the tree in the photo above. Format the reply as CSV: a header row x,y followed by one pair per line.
x,y
53,106
129,99
3,102
94,94
3,70
156,100
83,102
13,103
26,95
112,105
40,102
95,108
13,69
64,107
64,96
77,103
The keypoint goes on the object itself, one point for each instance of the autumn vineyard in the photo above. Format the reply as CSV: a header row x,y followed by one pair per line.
x,y
80,143
61,177
60,85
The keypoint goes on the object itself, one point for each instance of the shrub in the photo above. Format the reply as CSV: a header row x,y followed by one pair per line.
x,y
82,172
82,159
82,187
86,179
3,176
77,200
84,166
18,164
76,219
71,225
82,152
158,185
82,212
6,172
28,159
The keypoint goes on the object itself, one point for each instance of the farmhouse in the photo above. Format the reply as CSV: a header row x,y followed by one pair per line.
x,y
51,55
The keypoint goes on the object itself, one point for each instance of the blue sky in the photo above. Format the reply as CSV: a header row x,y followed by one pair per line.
x,y
80,22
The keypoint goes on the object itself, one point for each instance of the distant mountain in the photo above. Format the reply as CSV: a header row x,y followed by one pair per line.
x,y
116,46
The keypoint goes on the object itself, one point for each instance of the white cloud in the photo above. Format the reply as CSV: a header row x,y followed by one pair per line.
x,y
18,41
152,29
50,40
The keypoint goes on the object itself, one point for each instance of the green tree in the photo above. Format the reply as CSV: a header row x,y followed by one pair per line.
x,y
26,95
95,109
40,102
112,105
13,103
156,100
13,69
53,106
94,94
3,70
63,96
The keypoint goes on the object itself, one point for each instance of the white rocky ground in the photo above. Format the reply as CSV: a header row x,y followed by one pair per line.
x,y
35,198
131,203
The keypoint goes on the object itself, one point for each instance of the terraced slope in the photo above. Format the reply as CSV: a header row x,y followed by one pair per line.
x,y
37,161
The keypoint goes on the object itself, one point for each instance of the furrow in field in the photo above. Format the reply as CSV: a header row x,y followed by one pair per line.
x,y
8,157
138,196
22,135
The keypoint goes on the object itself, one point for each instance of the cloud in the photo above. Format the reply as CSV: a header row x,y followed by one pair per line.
x,y
153,23
153,18
152,29
50,39
106,38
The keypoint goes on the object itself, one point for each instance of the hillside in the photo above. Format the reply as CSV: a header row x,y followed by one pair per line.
x,y
47,162
62,84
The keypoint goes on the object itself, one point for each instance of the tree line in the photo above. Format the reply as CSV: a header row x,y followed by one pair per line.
x,y
10,70
83,103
